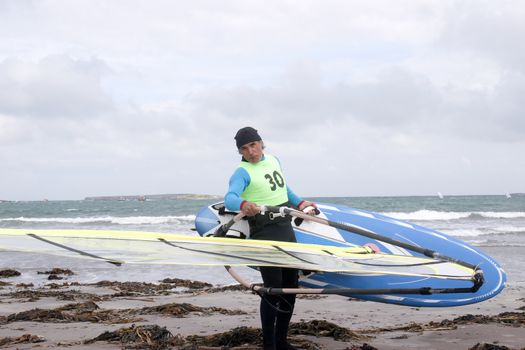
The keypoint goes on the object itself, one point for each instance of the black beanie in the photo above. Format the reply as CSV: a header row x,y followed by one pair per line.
x,y
246,135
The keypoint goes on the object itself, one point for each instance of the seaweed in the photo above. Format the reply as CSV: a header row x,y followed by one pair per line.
x,y
25,338
323,328
485,346
186,283
157,338
70,295
57,271
140,337
81,312
236,337
515,319
89,311
180,310
9,273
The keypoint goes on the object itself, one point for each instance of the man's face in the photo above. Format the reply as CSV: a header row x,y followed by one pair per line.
x,y
252,151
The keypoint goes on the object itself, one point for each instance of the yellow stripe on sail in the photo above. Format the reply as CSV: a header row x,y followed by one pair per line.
x,y
149,236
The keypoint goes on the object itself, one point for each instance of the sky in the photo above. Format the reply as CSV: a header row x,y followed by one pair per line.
x,y
356,98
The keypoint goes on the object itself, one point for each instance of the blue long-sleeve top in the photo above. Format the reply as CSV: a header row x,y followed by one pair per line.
x,y
238,183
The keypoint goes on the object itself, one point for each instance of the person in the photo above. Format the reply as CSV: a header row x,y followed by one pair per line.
x,y
259,180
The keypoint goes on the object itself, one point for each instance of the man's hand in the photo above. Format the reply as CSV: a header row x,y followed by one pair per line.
x,y
306,204
250,209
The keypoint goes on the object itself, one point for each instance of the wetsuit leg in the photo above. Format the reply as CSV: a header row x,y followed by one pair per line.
x,y
290,280
269,303
278,278
276,310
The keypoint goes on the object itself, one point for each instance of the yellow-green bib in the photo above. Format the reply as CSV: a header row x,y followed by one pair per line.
x,y
267,184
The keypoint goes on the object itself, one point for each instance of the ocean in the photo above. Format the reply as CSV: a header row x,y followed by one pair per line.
x,y
494,224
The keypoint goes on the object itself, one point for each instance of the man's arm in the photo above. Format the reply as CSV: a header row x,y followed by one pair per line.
x,y
292,197
238,183
298,202
233,201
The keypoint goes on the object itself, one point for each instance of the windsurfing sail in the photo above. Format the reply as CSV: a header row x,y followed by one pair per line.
x,y
119,247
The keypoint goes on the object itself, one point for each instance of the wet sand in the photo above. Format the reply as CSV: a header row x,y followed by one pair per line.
x,y
180,315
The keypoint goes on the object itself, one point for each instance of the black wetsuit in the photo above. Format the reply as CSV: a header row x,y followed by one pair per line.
x,y
268,187
276,310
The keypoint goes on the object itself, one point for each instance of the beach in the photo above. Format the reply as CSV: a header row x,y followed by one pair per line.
x,y
100,306
183,314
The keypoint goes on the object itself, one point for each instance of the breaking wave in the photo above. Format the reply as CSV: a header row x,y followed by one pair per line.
x,y
115,220
432,215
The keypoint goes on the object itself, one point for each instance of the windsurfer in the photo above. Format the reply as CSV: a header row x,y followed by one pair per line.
x,y
259,180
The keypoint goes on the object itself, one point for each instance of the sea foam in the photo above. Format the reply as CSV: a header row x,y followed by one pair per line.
x,y
432,215
128,220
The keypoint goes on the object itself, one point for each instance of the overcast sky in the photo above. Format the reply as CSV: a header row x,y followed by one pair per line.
x,y
356,98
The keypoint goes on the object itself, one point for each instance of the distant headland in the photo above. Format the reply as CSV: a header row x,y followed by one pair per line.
x,y
175,196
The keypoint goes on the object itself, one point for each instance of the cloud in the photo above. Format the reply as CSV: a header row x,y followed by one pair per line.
x,y
494,31
397,99
56,86
368,93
